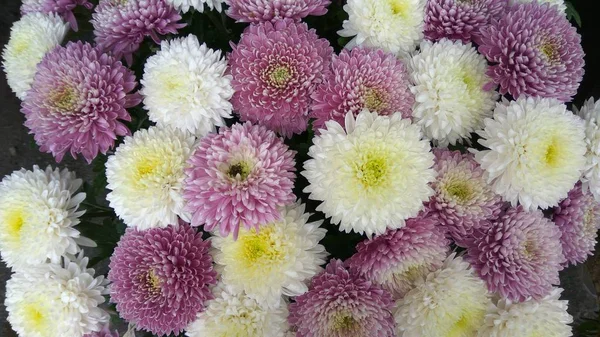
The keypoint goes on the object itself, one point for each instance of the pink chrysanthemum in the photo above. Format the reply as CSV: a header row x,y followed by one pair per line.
x,y
578,218
340,303
396,259
120,26
519,256
458,19
64,8
275,68
536,52
271,10
362,78
105,332
77,101
161,277
463,201
239,177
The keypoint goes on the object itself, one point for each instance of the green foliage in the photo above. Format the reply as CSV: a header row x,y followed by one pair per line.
x,y
572,14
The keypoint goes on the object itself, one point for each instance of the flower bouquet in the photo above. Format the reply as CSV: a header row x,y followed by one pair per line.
x,y
310,168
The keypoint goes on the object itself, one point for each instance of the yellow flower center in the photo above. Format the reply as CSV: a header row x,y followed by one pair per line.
x,y
467,323
64,99
460,190
14,221
400,7
552,153
152,282
261,247
373,170
151,171
242,169
278,75
529,249
21,44
373,100
550,49
344,322
35,317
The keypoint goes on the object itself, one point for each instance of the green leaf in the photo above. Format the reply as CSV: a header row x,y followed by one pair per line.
x,y
572,13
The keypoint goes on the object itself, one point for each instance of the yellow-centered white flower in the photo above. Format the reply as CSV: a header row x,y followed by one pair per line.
x,y
536,151
371,175
276,260
590,112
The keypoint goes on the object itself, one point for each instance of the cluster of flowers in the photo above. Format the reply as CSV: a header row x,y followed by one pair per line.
x,y
415,74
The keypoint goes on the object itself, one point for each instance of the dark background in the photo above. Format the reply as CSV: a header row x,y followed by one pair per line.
x,y
17,149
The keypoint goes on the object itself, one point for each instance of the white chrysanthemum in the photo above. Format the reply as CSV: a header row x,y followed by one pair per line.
x,y
451,301
185,86
590,112
38,212
395,26
547,317
233,314
31,38
277,260
56,300
184,5
145,176
448,83
536,151
560,4
371,176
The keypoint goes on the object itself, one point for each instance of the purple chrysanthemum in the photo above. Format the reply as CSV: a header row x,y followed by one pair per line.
x,y
519,256
105,332
161,277
463,201
239,177
275,68
271,10
458,19
120,26
396,259
362,78
536,52
340,303
64,8
578,218
77,101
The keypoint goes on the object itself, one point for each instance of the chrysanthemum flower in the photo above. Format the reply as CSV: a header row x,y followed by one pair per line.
x,y
559,4
104,332
275,260
63,8
161,277
535,52
38,213
234,314
395,26
458,19
531,142
590,112
519,256
547,317
77,101
238,178
56,300
340,303
578,218
451,301
275,68
463,200
371,176
31,38
396,259
185,5
185,86
358,79
272,10
449,80
121,26
145,176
